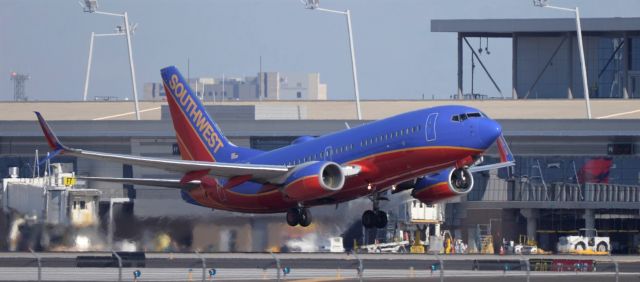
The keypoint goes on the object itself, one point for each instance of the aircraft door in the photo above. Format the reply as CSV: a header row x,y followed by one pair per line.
x,y
430,128
328,153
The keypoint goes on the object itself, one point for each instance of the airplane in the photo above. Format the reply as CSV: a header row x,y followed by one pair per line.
x,y
432,151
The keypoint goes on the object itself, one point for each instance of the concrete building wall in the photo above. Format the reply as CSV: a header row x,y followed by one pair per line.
x,y
247,91
322,92
271,86
294,86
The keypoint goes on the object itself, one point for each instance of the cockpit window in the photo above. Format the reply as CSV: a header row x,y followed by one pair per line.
x,y
463,117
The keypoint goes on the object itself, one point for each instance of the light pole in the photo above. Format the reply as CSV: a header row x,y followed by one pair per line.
x,y
93,36
315,5
90,6
585,84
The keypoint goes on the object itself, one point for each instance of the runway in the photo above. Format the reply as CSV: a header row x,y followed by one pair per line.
x,y
316,266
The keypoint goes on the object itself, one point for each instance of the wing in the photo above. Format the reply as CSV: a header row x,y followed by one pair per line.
x,y
169,183
259,173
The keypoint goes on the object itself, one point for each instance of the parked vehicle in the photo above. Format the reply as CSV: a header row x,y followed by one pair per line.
x,y
587,240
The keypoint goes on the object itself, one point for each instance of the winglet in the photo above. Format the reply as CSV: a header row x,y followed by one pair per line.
x,y
503,150
506,157
52,140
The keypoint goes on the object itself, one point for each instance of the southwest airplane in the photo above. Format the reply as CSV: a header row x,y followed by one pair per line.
x,y
432,151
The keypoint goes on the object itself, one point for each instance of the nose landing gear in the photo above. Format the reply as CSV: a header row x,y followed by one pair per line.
x,y
300,216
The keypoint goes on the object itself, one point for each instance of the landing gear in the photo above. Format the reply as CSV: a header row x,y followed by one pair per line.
x,y
375,217
300,216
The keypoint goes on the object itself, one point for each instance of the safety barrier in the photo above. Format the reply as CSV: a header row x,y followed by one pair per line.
x,y
352,266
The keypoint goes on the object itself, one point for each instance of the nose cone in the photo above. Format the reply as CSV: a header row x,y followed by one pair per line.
x,y
489,131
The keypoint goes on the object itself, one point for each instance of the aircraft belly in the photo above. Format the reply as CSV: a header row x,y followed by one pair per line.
x,y
381,170
384,170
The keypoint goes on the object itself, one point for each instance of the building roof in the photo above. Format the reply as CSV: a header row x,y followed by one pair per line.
x,y
506,27
331,110
271,128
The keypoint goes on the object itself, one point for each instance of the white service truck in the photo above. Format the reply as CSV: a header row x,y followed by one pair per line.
x,y
586,240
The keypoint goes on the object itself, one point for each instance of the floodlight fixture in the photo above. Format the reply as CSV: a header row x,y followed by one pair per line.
x,y
89,6
540,3
311,4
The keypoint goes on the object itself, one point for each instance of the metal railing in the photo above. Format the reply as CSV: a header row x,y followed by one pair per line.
x,y
518,268
500,190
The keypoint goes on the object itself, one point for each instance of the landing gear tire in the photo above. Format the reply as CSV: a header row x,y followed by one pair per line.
x,y
293,217
369,219
381,219
377,219
300,216
305,218
602,247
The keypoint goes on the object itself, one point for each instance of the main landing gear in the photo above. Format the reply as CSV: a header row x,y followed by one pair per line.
x,y
375,217
300,216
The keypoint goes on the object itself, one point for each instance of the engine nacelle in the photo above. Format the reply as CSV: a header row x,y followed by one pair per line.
x,y
314,180
443,185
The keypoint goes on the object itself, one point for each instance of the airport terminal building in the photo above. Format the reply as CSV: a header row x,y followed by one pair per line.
x,y
571,173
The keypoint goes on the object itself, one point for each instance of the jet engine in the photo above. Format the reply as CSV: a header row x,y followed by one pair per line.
x,y
443,185
314,180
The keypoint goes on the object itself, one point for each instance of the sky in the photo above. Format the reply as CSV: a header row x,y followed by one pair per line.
x,y
397,55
